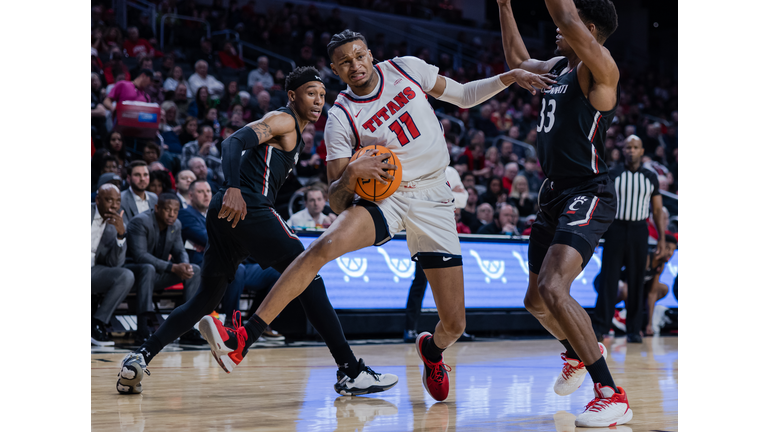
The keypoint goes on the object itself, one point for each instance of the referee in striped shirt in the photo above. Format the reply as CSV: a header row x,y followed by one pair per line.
x,y
626,241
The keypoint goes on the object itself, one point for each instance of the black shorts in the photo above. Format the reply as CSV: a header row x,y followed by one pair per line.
x,y
262,235
575,215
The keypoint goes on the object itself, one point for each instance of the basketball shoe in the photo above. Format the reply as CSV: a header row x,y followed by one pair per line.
x,y
573,373
435,377
132,370
608,408
227,343
366,382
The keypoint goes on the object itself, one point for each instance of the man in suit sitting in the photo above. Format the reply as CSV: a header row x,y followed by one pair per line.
x,y
152,237
107,258
137,199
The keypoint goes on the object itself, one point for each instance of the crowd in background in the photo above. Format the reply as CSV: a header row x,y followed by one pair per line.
x,y
207,91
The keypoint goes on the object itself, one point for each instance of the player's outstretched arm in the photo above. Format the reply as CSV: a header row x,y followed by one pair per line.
x,y
515,51
476,92
592,53
272,125
344,174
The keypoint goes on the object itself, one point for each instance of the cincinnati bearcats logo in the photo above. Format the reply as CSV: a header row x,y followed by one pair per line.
x,y
578,201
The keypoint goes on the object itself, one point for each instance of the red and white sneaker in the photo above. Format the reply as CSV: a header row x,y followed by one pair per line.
x,y
227,344
435,376
608,408
573,373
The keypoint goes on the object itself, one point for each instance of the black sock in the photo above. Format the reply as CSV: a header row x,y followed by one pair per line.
x,y
147,351
431,351
600,373
569,352
351,369
255,326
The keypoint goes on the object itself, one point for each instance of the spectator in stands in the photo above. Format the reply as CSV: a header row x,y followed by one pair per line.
x,y
205,53
322,66
531,174
142,62
181,99
137,199
306,57
261,74
244,100
153,236
495,193
117,149
485,124
507,155
101,163
310,163
160,182
504,222
203,146
229,58
474,157
134,45
116,67
229,96
111,40
468,216
151,152
176,77
201,78
485,213
263,99
528,120
460,227
192,219
98,110
312,216
129,91
211,120
493,162
183,179
105,178
510,172
189,133
171,117
521,198
200,105
198,166
107,258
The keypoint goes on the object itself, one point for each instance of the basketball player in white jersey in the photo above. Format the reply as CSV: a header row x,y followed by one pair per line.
x,y
386,104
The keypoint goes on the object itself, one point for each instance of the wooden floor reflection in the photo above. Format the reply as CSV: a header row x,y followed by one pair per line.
x,y
495,386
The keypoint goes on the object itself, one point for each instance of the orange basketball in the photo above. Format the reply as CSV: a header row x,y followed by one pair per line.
x,y
372,190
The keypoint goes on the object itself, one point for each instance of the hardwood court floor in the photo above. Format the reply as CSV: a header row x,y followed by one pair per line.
x,y
498,385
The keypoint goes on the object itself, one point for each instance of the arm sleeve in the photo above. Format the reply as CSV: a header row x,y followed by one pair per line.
x,y
232,150
339,139
422,72
472,93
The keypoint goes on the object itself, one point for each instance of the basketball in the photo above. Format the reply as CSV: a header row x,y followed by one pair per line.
x,y
372,190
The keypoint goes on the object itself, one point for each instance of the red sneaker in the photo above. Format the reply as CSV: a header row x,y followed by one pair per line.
x,y
435,376
227,344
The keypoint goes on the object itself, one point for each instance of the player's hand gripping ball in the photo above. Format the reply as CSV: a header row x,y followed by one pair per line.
x,y
372,190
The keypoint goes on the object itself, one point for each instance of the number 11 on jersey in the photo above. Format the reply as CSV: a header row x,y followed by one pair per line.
x,y
395,127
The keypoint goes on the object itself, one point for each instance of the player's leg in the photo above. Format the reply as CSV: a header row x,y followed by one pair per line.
x,y
414,302
222,255
354,229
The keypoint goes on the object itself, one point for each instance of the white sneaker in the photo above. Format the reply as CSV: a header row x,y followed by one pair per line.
x,y
573,373
366,382
132,370
608,408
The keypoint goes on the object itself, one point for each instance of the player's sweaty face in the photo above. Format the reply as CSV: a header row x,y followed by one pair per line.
x,y
353,63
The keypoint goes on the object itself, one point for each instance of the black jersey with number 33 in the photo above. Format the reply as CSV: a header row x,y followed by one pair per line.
x,y
571,133
264,169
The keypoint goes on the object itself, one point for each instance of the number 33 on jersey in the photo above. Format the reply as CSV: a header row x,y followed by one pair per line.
x,y
396,114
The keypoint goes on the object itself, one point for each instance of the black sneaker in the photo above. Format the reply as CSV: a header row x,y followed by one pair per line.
x,y
99,334
634,338
192,337
409,336
466,337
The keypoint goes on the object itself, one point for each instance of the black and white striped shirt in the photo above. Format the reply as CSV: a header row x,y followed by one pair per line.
x,y
633,192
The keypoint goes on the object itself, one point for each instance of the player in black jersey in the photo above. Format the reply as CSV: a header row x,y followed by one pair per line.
x,y
577,202
242,222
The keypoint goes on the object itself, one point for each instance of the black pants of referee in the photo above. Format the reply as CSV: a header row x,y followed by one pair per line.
x,y
626,245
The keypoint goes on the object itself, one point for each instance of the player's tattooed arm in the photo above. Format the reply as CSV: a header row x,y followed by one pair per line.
x,y
342,190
